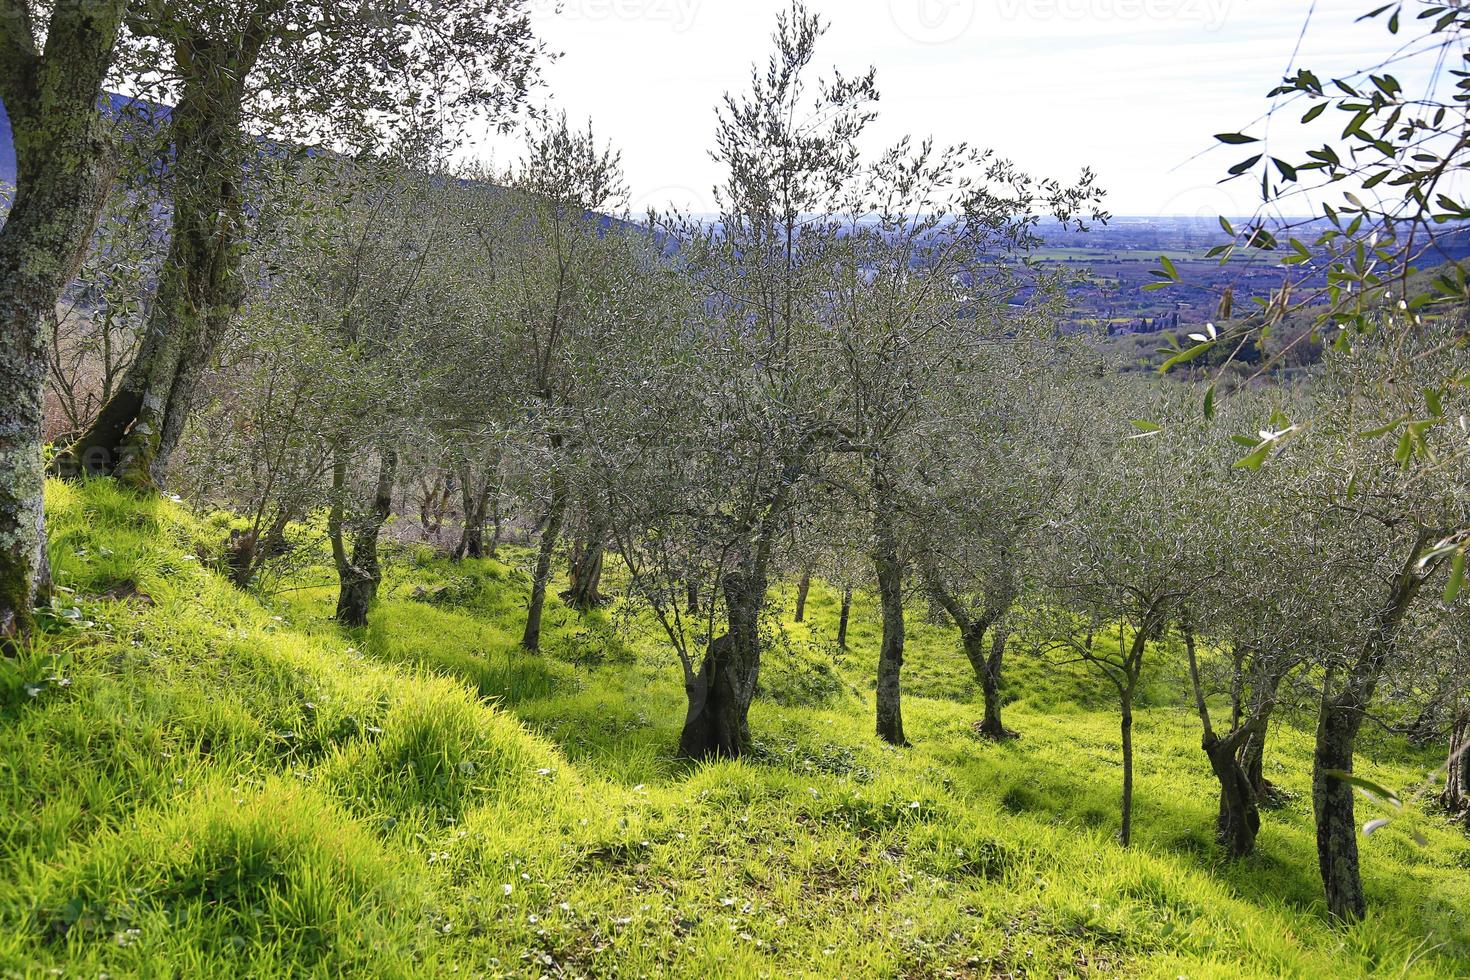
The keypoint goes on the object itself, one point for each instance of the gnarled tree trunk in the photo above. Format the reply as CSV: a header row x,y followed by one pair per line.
x,y
476,503
62,181
199,287
359,574
716,723
586,571
1456,795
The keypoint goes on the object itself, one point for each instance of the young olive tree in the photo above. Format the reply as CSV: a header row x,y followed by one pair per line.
x,y
1123,570
983,495
546,247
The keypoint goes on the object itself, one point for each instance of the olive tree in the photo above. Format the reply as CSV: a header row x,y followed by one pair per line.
x,y
742,409
1122,572
51,76
246,80
982,498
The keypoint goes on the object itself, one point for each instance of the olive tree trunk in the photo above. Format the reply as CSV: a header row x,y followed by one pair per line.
x,y
359,573
61,182
1125,828
716,723
1339,720
550,533
842,617
476,504
586,572
803,588
1239,820
889,568
199,289
1456,795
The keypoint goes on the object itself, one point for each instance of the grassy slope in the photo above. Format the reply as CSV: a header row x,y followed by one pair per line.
x,y
226,787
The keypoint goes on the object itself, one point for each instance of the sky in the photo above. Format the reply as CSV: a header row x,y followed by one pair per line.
x,y
1133,89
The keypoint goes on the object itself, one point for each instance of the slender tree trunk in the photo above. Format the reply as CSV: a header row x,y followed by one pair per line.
x,y
1125,831
550,532
61,184
987,668
1456,795
717,721
199,287
691,596
890,654
842,618
1252,755
360,574
803,587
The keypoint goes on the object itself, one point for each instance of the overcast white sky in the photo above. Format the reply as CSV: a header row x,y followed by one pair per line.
x,y
1132,88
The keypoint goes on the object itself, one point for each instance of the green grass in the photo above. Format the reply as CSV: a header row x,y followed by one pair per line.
x,y
199,782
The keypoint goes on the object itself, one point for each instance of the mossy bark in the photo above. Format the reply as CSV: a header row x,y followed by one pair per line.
x,y
199,287
51,97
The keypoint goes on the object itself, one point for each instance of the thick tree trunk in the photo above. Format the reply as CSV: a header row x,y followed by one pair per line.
x,y
1239,820
1456,795
842,618
803,587
199,287
1125,830
890,654
550,532
717,721
61,183
359,575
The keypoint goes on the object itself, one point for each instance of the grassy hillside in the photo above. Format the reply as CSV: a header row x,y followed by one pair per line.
x,y
198,782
